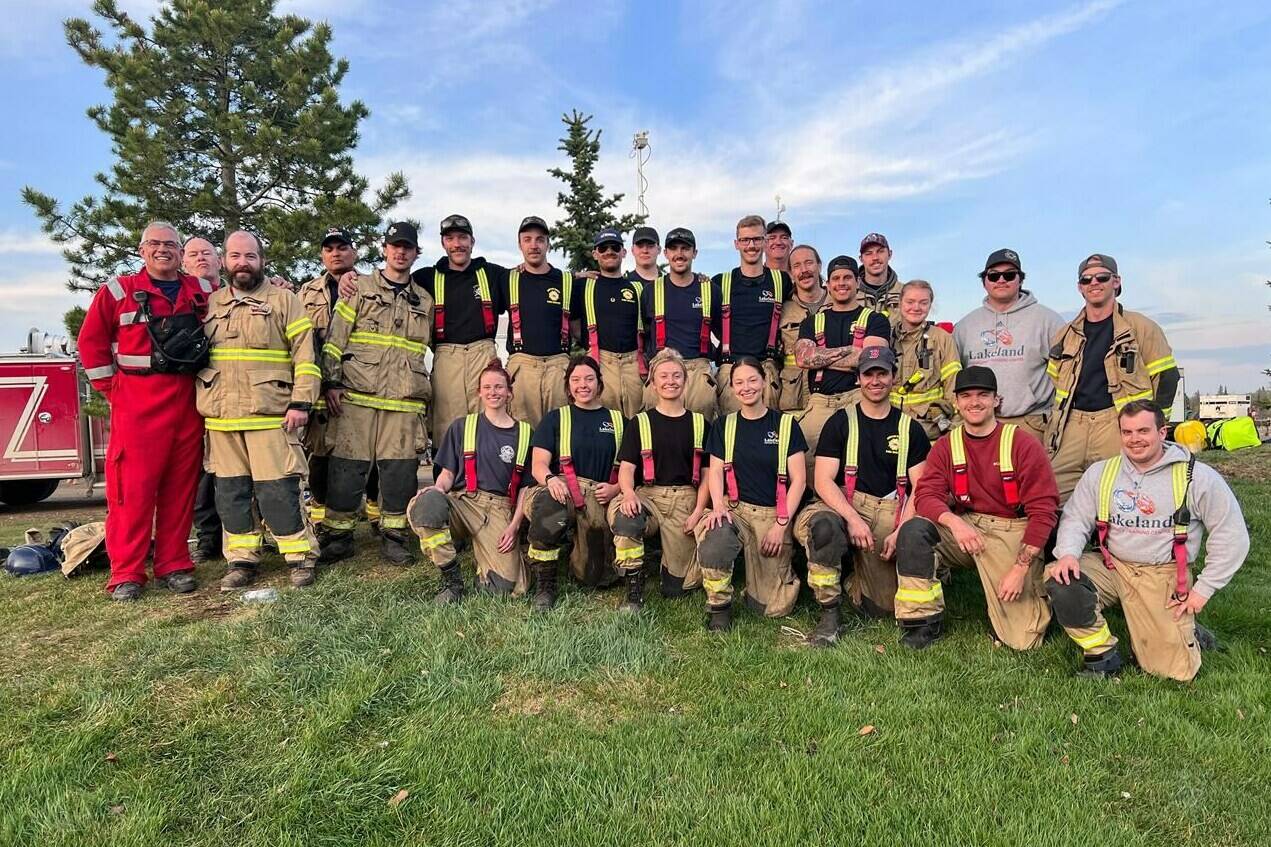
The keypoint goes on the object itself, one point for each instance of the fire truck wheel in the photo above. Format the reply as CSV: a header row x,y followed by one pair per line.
x,y
24,492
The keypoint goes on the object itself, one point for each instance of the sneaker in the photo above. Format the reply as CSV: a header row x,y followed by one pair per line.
x,y
180,582
237,578
303,576
126,591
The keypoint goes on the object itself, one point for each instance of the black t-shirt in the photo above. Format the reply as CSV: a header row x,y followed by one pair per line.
x,y
634,276
755,455
593,443
838,333
617,312
1091,393
877,452
752,303
465,322
541,305
683,314
672,448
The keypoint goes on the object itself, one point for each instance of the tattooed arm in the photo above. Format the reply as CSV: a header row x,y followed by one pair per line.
x,y
810,357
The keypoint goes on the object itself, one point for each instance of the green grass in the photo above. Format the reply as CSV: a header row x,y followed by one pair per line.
x,y
197,720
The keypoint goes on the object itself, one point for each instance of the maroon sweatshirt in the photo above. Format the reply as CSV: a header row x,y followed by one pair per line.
x,y
1038,492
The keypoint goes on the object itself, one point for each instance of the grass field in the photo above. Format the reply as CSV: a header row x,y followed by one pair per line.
x,y
357,713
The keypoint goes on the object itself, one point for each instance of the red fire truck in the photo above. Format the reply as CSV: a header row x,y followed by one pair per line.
x,y
45,436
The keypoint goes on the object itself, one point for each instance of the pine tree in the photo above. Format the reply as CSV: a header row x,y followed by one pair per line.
x,y
224,115
587,210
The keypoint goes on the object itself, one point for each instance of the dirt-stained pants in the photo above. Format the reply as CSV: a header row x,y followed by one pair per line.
x,y
480,516
771,584
365,437
871,587
551,524
664,510
1163,646
794,386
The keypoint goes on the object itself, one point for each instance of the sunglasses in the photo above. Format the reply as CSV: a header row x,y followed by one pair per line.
x,y
1089,278
609,247
1008,276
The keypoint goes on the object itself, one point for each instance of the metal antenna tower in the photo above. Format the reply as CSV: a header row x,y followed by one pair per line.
x,y
641,151
781,207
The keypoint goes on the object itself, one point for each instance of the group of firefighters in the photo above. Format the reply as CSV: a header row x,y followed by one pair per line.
x,y
718,418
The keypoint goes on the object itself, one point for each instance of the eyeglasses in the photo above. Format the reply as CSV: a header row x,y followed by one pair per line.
x,y
155,245
1008,276
754,241
1089,278
609,247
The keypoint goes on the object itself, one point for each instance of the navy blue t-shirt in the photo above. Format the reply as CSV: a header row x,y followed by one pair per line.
x,y
683,314
753,299
542,299
593,446
755,455
617,312
838,333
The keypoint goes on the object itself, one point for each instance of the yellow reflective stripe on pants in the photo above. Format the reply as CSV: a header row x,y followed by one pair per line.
x,y
716,586
915,595
379,339
1096,639
433,540
822,577
243,541
383,403
542,555
317,513
627,554
294,545
393,522
372,510
339,525
242,424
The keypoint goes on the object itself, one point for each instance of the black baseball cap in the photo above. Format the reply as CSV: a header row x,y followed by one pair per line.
x,y
645,233
975,376
839,262
607,236
681,235
1101,259
876,357
1002,257
533,222
402,232
456,223
874,238
335,233
776,225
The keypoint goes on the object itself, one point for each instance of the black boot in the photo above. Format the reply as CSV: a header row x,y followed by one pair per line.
x,y
545,586
721,618
635,593
393,547
451,585
1101,666
827,628
921,634
336,546
1206,640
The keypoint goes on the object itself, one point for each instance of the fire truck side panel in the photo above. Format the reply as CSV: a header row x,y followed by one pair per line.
x,y
40,425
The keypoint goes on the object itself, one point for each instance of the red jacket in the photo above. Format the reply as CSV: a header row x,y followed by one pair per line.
x,y
1038,492
114,335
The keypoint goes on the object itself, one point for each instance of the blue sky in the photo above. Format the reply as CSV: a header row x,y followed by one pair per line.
x,y
1139,129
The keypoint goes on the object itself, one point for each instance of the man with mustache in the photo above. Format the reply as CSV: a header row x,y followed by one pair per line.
x,y
808,299
255,398
608,318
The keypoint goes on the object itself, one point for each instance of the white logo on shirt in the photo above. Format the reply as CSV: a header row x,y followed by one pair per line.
x,y
506,454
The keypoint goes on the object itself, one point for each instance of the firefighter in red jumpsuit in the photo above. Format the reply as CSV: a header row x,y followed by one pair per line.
x,y
156,434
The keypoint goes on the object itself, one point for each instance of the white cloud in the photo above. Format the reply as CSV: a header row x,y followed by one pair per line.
x,y
26,242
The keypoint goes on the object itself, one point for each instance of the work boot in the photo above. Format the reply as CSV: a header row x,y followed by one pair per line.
x,y
302,576
545,586
393,547
202,554
1206,640
1101,666
336,546
635,593
827,628
921,634
237,577
452,589
721,618
179,582
126,591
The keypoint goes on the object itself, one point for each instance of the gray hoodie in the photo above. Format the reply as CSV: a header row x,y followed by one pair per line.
x,y
1014,344
1141,525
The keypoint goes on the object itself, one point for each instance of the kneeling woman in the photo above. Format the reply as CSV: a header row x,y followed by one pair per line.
x,y
757,477
479,467
575,463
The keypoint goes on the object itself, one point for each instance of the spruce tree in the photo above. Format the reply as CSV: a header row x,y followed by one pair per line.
x,y
224,115
587,209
